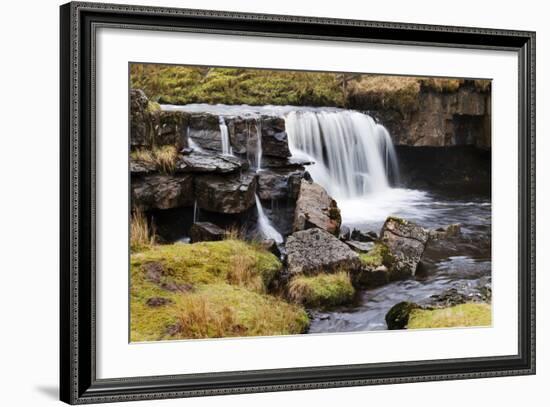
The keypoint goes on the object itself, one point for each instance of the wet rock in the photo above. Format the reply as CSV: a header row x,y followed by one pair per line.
x,y
314,251
206,232
226,194
170,128
208,163
345,233
162,191
279,183
361,247
360,236
140,167
204,129
315,208
274,137
158,301
406,242
271,246
446,232
290,162
398,315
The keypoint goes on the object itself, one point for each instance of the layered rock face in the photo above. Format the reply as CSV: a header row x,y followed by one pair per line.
x,y
315,208
201,176
441,119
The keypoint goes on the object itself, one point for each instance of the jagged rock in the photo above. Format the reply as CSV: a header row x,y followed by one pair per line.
x,y
226,194
206,232
290,162
140,167
445,232
398,315
360,236
406,242
361,247
140,121
162,191
345,233
204,162
314,251
274,137
170,128
279,183
315,208
204,129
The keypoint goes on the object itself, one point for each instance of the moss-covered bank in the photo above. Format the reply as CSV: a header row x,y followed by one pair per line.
x,y
463,315
208,290
322,290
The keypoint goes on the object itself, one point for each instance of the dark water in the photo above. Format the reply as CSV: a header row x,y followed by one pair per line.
x,y
462,263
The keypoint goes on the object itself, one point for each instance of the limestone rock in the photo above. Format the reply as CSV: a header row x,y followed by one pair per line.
x,y
206,232
226,194
162,191
314,251
315,208
406,242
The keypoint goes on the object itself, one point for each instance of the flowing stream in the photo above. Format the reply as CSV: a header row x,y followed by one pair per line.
x,y
355,161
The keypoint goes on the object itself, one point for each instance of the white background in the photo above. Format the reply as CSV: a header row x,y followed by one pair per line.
x,y
117,358
29,208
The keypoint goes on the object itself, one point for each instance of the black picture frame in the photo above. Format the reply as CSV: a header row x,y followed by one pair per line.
x,y
78,382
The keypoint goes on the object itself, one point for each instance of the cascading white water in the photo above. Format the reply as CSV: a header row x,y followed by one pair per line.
x,y
195,212
254,150
354,156
226,146
264,224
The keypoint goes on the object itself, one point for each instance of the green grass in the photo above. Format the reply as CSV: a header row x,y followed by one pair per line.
x,y
463,315
223,293
379,255
322,290
183,85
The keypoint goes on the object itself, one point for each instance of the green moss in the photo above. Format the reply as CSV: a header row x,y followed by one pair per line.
x,y
153,106
223,293
182,85
463,315
322,290
379,255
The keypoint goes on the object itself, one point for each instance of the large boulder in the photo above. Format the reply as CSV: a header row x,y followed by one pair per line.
x,y
279,183
204,162
162,191
406,243
206,232
316,208
315,251
229,194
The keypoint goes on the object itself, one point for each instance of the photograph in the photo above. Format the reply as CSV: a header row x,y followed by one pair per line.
x,y
269,202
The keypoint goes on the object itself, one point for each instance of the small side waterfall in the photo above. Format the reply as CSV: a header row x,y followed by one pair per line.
x,y
254,145
226,145
265,226
195,212
354,156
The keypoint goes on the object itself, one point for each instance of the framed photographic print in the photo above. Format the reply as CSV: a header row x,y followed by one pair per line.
x,y
255,203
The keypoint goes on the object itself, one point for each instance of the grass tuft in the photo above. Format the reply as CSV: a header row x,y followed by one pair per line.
x,y
163,158
141,237
322,290
463,315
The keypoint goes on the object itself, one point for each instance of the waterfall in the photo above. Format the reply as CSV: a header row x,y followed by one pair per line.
x,y
354,156
254,146
264,224
226,146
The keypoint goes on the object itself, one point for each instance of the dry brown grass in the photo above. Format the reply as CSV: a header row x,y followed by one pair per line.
x,y
398,92
163,158
242,272
197,319
140,235
447,85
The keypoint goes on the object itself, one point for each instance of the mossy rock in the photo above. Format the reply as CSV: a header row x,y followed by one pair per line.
x,y
322,290
398,316
463,315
